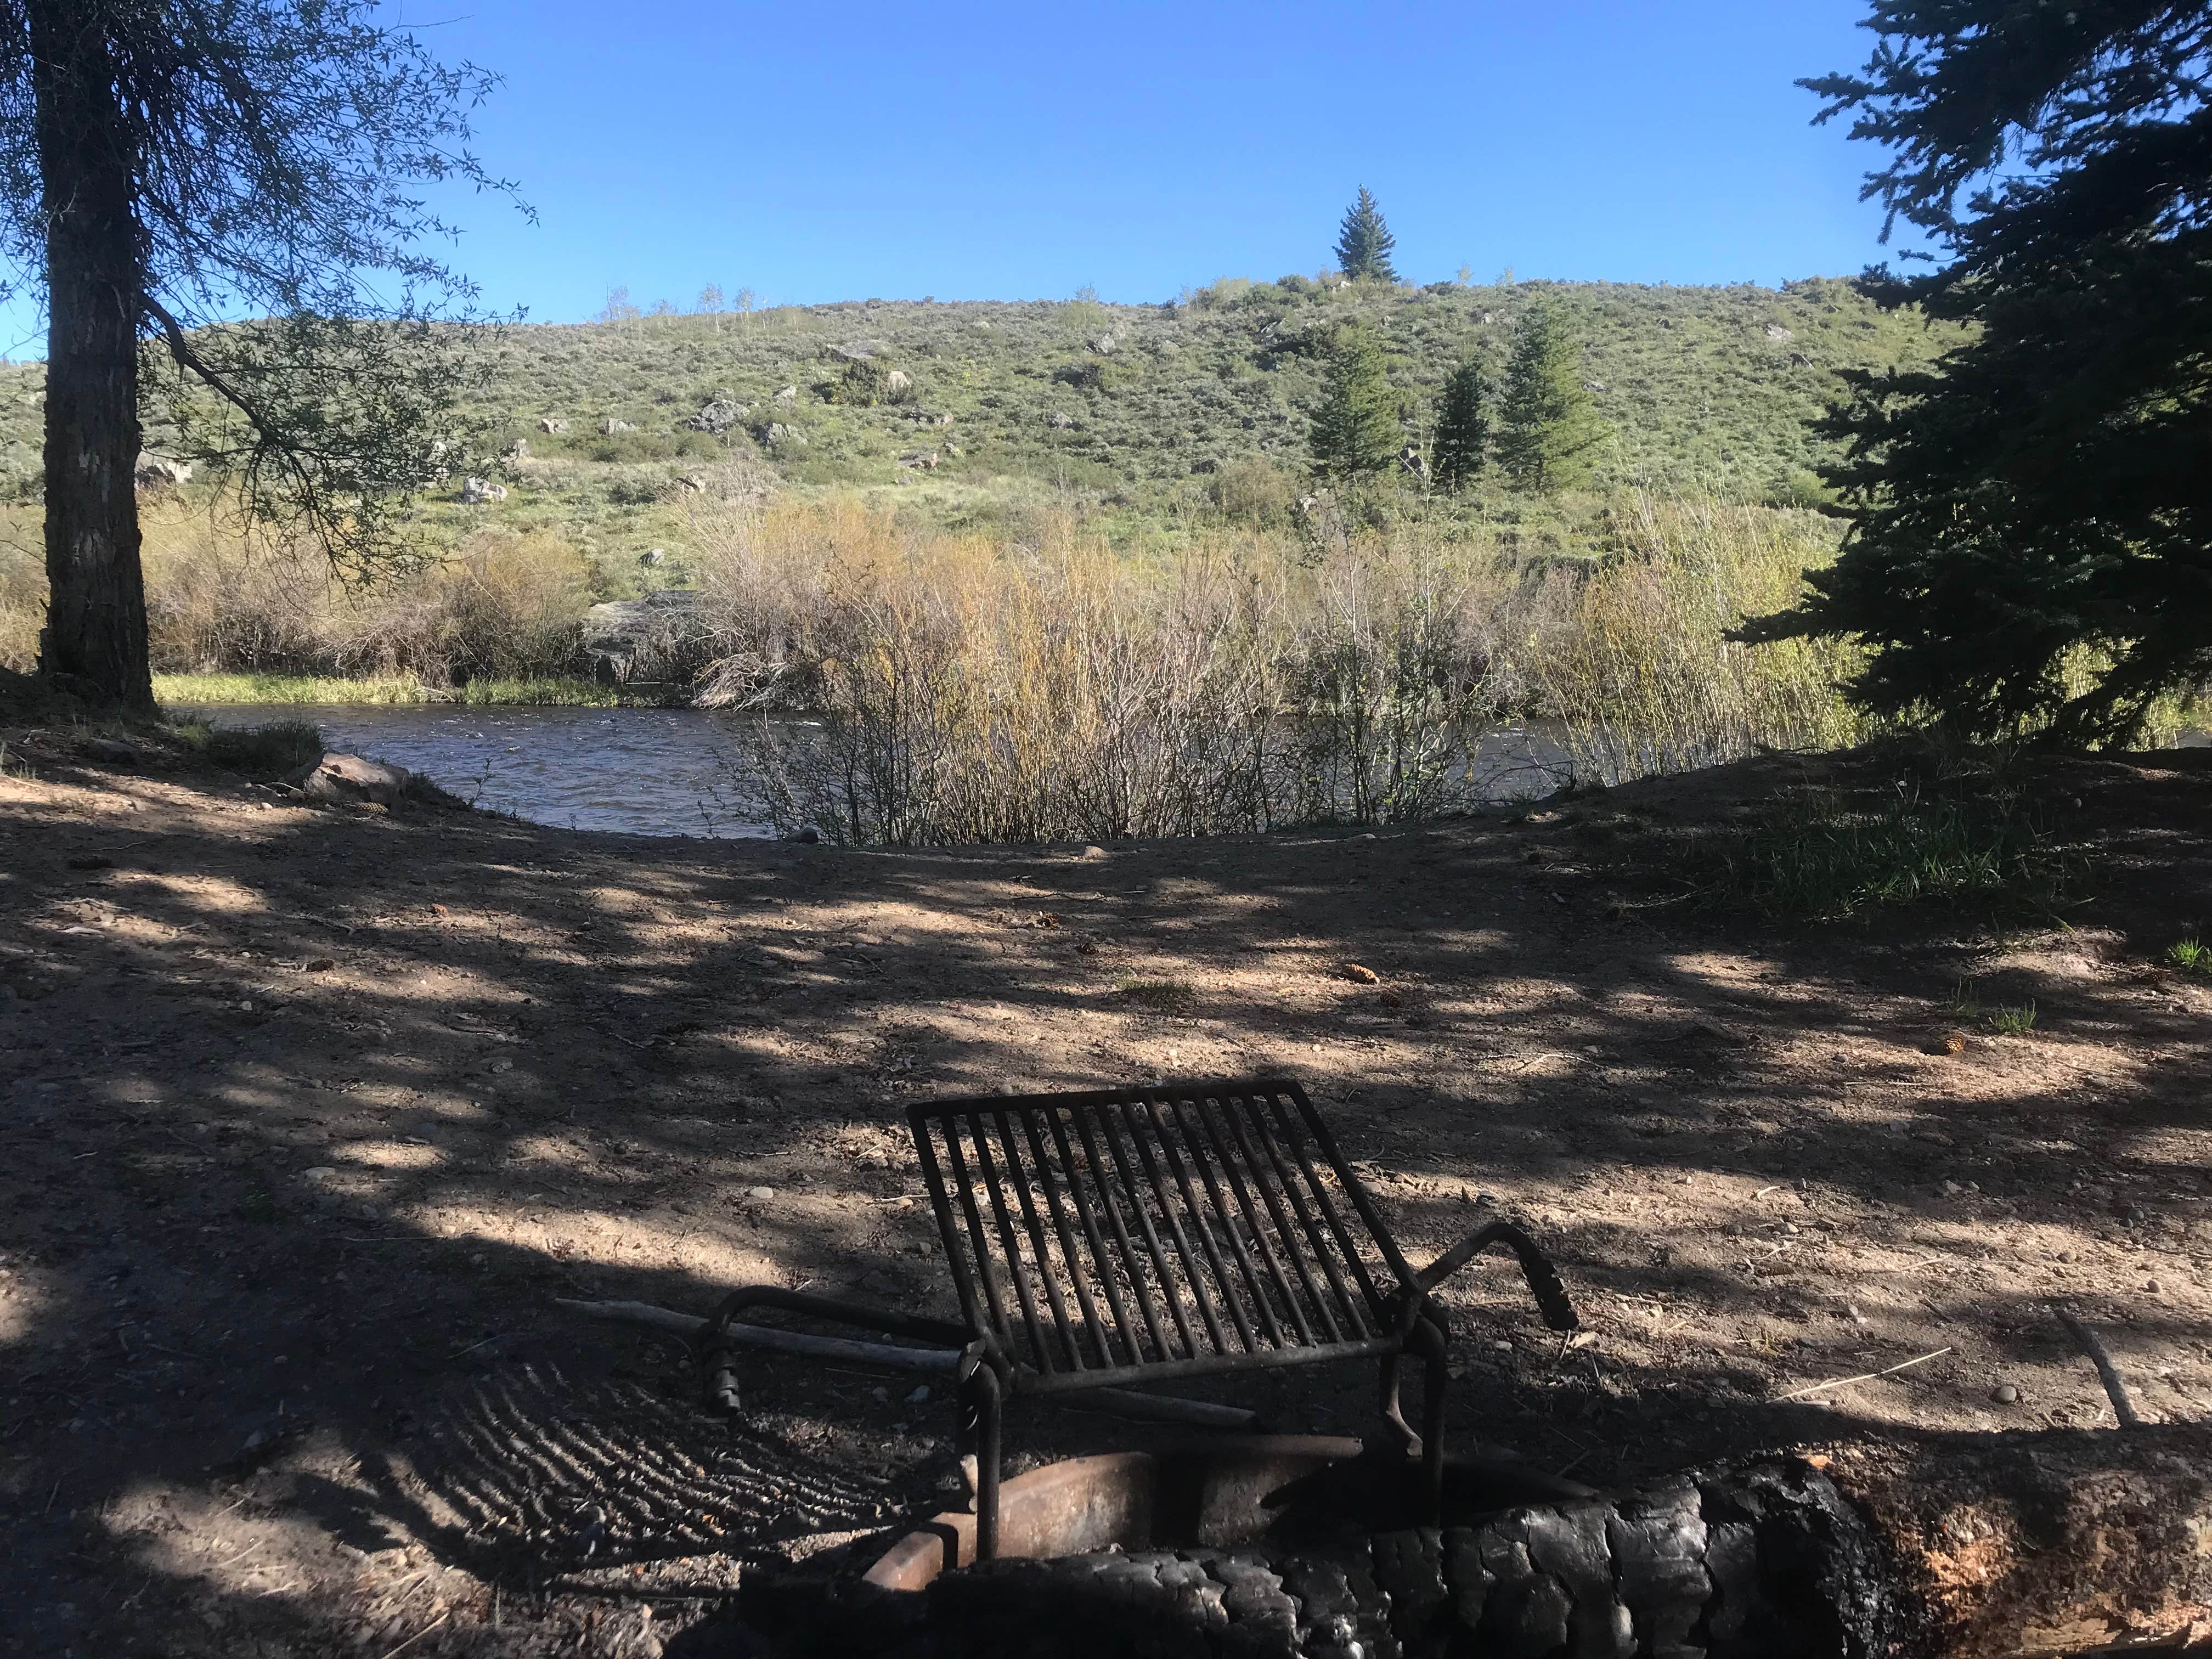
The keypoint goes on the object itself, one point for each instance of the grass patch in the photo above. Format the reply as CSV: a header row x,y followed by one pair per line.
x,y
268,751
277,690
1161,996
561,691
2190,956
2005,1019
1824,858
313,690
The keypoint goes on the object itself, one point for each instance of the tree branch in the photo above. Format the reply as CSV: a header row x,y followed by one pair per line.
x,y
181,349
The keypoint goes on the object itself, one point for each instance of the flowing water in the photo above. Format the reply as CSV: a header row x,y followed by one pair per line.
x,y
643,771
655,771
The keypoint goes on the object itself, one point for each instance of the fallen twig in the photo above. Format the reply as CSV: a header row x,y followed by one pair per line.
x,y
1863,1377
421,1633
2115,1390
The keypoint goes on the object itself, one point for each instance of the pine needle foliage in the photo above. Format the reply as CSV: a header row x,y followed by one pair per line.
x,y
1550,432
167,169
2031,543
1462,437
1356,430
1363,242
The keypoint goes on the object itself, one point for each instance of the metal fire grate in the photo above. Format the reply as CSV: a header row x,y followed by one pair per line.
x,y
1165,1230
1138,1234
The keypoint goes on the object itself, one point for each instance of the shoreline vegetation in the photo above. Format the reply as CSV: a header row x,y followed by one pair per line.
x,y
1060,679
191,690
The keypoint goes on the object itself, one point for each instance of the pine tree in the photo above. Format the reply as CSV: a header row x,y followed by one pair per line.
x,y
2030,523
1549,432
1363,242
1356,432
1462,428
167,170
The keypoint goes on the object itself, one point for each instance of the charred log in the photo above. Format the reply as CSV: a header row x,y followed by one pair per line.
x,y
2023,1545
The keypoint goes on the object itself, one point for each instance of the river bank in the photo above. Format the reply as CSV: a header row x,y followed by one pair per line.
x,y
310,1113
307,691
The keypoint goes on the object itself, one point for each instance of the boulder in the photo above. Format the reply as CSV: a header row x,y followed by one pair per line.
x,y
547,423
660,637
609,427
788,396
1059,421
518,450
158,472
718,416
653,556
898,384
782,436
1105,344
1778,334
477,491
350,781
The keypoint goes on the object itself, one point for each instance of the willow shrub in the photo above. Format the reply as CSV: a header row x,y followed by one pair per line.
x,y
1638,665
969,689
502,606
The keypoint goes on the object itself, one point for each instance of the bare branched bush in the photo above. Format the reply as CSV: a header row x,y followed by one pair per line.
x,y
22,590
1635,659
969,690
504,606
507,607
1394,666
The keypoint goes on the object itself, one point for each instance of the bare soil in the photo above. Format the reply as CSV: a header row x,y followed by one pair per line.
x,y
307,1116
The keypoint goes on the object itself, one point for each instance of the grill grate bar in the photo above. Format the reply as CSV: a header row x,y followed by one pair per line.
x,y
1328,1208
1194,1226
1133,1194
1253,1222
995,1190
1052,1297
1192,1276
1050,1179
1348,1301
1201,1221
1283,1229
993,1294
1218,1217
1102,1180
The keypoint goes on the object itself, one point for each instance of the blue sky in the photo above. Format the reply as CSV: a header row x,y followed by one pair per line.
x,y
1019,152
1008,152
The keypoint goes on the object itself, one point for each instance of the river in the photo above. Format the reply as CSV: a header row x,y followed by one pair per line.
x,y
642,771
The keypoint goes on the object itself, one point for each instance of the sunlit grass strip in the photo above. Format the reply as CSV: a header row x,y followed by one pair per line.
x,y
1828,862
191,690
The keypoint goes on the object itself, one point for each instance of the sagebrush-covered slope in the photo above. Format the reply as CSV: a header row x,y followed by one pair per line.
x,y
1141,407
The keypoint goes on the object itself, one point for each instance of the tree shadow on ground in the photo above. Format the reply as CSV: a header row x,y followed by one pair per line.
x,y
311,1116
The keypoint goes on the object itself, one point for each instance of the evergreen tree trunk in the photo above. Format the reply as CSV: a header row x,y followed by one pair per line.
x,y
96,605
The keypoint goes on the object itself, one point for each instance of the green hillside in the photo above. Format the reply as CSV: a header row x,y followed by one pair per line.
x,y
1151,410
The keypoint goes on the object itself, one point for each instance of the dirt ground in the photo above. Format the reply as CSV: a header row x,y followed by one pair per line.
x,y
308,1114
